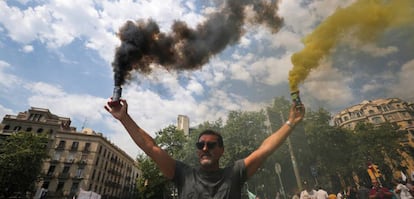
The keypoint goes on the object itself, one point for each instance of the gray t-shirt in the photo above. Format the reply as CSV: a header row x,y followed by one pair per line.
x,y
226,183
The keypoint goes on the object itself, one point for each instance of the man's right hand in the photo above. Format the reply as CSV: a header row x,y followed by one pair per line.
x,y
119,111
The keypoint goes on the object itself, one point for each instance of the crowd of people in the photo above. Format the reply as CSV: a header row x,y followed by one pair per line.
x,y
396,189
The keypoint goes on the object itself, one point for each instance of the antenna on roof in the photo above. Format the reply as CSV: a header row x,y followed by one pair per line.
x,y
84,123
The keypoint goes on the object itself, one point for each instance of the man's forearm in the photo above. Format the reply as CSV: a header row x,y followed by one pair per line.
x,y
140,137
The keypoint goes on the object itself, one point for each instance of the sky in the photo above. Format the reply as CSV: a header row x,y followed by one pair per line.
x,y
57,54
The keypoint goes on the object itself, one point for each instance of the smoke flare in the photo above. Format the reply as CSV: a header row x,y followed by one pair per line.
x,y
185,48
366,20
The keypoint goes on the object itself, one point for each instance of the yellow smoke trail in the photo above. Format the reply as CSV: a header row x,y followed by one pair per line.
x,y
365,20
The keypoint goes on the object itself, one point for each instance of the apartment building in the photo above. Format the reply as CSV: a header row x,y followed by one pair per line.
x,y
78,160
393,110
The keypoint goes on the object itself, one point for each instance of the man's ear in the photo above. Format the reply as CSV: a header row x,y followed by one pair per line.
x,y
221,150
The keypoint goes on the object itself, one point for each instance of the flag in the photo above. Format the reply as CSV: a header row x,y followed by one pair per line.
x,y
251,195
412,175
403,177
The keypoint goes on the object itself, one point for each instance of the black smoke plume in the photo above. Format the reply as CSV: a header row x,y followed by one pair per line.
x,y
185,48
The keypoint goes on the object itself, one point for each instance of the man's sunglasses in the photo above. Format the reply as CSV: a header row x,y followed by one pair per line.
x,y
210,145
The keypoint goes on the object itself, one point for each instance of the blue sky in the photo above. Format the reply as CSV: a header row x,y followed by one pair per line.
x,y
57,54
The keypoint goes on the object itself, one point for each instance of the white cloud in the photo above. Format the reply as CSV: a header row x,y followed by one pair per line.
x,y
239,72
298,19
372,86
7,80
272,70
405,81
369,48
195,87
27,48
5,111
328,85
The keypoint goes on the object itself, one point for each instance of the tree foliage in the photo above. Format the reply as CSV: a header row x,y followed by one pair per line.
x,y
151,183
21,157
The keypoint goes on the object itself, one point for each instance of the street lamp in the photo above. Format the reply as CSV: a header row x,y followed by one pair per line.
x,y
292,157
278,170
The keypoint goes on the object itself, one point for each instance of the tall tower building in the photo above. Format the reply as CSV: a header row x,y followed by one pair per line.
x,y
78,160
183,123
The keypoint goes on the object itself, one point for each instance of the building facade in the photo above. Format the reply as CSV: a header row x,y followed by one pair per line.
x,y
84,160
393,110
183,123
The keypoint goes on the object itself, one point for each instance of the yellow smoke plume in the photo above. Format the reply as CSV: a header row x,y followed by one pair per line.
x,y
364,20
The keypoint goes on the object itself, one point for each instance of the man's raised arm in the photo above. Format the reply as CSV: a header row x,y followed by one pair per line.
x,y
144,141
271,143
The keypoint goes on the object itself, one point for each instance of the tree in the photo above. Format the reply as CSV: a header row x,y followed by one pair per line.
x,y
151,183
21,157
378,144
330,147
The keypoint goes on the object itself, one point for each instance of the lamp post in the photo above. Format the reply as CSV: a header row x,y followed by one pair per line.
x,y
278,170
292,157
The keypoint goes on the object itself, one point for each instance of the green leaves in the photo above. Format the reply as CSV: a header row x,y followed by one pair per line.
x,y
21,157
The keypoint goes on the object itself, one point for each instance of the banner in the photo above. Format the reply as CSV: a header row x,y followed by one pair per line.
x,y
88,195
251,195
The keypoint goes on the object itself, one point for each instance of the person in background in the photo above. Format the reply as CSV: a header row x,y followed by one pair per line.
x,y
379,192
402,191
321,193
308,192
363,191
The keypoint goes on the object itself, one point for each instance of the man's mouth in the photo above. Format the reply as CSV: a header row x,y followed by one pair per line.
x,y
205,156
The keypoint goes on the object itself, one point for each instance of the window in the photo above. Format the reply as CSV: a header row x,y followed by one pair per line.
x,y
377,120
75,187
87,146
71,157
100,149
17,128
7,127
74,146
60,186
39,130
93,174
51,170
45,185
28,129
379,108
35,117
79,173
404,114
66,169
371,112
62,144
57,156
97,161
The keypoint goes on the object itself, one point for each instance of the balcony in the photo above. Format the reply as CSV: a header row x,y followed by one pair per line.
x,y
73,149
69,161
64,176
60,148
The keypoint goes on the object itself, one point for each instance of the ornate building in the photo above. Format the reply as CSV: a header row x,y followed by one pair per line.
x,y
393,110
78,160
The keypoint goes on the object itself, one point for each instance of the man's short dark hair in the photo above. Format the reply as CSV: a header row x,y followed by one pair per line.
x,y
212,132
